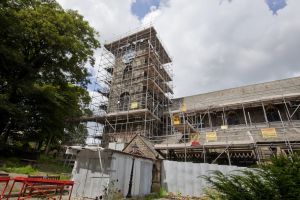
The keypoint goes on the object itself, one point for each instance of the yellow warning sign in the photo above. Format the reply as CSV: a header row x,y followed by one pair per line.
x,y
134,105
224,127
211,136
183,107
176,120
268,132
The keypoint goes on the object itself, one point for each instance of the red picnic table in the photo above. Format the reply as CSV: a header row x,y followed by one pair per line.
x,y
39,187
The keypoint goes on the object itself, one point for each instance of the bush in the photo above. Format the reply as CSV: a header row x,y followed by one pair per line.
x,y
279,179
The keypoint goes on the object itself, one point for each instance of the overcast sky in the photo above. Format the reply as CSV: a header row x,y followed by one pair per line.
x,y
215,44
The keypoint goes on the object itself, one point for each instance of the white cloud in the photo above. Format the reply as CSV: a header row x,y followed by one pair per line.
x,y
109,18
214,45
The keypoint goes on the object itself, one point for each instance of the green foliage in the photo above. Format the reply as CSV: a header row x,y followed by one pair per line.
x,y
53,166
13,165
279,179
248,185
45,166
44,42
21,170
65,176
284,173
43,78
161,194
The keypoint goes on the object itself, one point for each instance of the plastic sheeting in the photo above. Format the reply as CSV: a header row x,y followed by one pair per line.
x,y
183,177
90,182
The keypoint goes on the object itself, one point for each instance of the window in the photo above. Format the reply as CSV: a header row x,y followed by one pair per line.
x,y
272,114
127,74
124,101
232,118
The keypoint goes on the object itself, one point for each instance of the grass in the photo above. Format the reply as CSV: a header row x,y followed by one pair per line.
x,y
52,166
20,170
161,194
13,165
45,165
65,176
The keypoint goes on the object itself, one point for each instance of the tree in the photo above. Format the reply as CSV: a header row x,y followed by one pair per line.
x,y
43,78
52,109
279,179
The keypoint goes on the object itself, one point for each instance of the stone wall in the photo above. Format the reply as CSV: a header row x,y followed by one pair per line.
x,y
143,148
131,84
245,94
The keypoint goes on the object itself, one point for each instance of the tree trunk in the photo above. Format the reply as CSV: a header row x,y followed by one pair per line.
x,y
48,145
39,145
6,131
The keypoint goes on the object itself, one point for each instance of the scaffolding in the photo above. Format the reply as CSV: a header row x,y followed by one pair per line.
x,y
133,94
135,87
232,127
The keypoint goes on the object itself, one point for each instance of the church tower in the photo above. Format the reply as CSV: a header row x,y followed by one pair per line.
x,y
139,87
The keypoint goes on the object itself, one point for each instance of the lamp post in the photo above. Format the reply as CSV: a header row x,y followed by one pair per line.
x,y
134,150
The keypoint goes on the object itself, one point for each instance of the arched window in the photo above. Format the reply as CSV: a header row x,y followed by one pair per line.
x,y
127,73
124,101
272,114
232,118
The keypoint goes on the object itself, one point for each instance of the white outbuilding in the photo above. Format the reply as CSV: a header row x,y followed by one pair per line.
x,y
99,171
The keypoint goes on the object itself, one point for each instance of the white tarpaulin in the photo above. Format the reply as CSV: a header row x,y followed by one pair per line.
x,y
183,177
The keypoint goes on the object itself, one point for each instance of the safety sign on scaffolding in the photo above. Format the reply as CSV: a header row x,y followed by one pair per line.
x,y
176,120
211,136
183,107
194,139
224,127
268,132
134,105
